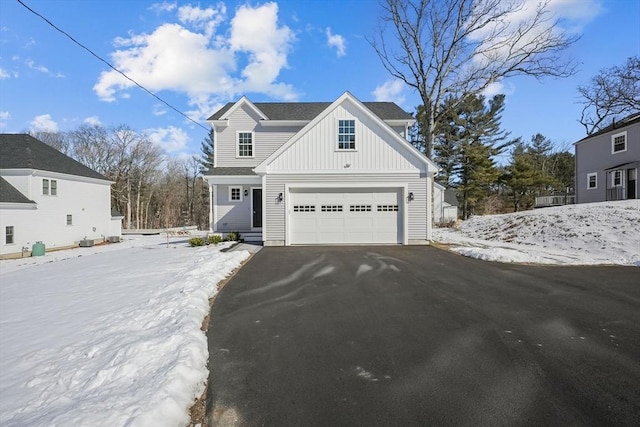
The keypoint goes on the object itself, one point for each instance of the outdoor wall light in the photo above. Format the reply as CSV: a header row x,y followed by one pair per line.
x,y
246,192
279,197
410,196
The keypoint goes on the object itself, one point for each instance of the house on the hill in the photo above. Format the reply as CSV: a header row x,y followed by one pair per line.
x,y
337,172
46,196
607,162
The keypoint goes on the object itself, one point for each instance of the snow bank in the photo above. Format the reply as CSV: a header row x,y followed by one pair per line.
x,y
110,339
584,234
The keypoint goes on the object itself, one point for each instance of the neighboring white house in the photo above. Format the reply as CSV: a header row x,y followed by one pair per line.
x,y
445,204
607,162
319,173
46,196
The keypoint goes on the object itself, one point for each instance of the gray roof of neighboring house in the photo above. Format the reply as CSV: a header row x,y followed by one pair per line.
x,y
10,194
230,171
622,123
450,197
309,110
22,151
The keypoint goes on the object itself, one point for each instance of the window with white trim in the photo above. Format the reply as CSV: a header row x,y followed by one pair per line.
x,y
346,134
69,219
387,208
592,181
49,187
616,178
360,208
245,144
331,208
619,142
8,235
304,208
235,194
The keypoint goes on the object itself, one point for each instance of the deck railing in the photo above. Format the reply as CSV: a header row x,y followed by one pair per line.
x,y
560,200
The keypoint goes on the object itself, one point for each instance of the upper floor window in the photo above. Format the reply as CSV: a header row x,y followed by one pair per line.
x,y
619,142
592,180
8,234
245,144
346,134
49,187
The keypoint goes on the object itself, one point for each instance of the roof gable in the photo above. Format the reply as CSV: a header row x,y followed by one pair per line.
x,y
10,194
22,151
363,110
242,101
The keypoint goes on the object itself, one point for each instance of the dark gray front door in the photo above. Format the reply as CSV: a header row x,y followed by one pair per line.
x,y
256,194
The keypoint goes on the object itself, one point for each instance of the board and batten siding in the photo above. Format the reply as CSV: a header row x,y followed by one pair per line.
x,y
267,139
417,209
317,149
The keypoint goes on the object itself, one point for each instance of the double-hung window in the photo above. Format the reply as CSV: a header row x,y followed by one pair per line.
x,y
346,134
592,181
69,219
617,178
49,187
8,235
245,144
619,142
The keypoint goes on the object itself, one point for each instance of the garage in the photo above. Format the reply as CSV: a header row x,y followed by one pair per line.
x,y
345,216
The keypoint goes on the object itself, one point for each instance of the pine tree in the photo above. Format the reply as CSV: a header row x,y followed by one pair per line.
x,y
207,148
521,177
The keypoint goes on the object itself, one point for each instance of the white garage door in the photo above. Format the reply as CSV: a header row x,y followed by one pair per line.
x,y
345,216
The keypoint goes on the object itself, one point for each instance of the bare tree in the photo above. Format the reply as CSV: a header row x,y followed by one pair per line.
x,y
610,95
445,48
57,140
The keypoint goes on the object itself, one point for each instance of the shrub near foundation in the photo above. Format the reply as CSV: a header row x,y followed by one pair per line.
x,y
196,241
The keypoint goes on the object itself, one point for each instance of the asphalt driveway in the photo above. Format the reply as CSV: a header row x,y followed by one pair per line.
x,y
337,336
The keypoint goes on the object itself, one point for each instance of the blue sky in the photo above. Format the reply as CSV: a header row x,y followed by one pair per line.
x,y
199,55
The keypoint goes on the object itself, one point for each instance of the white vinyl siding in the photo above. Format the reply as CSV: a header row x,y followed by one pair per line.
x,y
266,140
231,215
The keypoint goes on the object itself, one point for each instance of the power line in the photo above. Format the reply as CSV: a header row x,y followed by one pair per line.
x,y
111,66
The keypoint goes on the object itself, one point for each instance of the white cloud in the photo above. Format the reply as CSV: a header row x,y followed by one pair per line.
x,y
4,74
337,41
498,88
391,90
207,64
92,120
31,64
43,123
4,118
171,139
165,6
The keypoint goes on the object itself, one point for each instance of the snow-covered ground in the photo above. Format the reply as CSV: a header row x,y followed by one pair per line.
x,y
584,234
109,335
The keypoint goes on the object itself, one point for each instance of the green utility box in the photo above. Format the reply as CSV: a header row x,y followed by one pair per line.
x,y
38,249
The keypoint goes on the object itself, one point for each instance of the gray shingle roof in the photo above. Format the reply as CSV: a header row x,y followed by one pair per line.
x,y
10,194
624,122
22,151
309,110
230,171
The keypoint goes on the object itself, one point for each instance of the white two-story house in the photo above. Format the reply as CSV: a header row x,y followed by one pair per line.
x,y
607,162
46,196
319,173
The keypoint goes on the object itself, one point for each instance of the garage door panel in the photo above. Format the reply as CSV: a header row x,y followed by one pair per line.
x,y
344,216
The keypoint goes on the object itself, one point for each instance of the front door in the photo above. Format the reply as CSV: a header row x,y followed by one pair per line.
x,y
256,207
632,175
